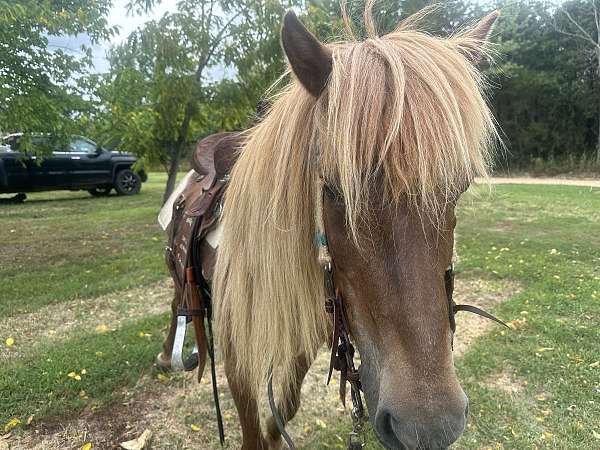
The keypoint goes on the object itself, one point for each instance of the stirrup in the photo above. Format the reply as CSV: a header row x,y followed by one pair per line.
x,y
178,362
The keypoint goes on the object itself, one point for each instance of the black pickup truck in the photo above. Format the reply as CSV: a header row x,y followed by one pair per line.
x,y
80,164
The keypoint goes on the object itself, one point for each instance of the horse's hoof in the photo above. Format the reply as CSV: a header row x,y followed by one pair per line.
x,y
274,444
163,361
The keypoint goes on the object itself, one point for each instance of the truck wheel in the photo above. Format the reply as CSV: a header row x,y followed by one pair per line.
x,y
100,191
127,182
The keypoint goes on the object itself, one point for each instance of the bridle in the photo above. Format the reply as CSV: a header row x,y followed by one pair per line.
x,y
342,350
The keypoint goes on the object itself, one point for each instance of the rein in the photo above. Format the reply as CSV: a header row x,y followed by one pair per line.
x,y
342,350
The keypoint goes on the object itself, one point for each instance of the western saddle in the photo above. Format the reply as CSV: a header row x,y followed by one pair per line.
x,y
190,257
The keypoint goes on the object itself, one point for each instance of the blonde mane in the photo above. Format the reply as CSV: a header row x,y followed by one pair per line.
x,y
406,109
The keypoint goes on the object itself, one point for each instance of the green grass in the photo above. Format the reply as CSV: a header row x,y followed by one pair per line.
x,y
40,384
58,246
546,238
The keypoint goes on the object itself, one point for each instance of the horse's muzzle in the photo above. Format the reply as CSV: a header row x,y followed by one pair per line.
x,y
400,427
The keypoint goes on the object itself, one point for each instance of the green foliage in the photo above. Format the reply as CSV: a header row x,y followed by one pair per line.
x,y
203,67
160,96
38,84
545,83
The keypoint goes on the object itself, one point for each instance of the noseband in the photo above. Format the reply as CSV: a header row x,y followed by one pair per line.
x,y
342,350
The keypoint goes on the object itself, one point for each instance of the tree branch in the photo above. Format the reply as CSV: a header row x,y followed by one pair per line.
x,y
584,34
214,45
575,35
210,16
597,20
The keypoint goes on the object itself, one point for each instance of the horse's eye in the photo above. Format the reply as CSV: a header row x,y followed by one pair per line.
x,y
334,194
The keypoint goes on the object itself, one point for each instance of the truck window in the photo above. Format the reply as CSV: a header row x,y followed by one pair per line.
x,y
82,146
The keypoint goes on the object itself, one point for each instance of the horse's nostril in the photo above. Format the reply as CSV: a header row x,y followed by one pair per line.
x,y
467,410
387,429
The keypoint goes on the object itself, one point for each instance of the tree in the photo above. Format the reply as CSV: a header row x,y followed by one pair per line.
x,y
541,86
38,84
581,20
160,95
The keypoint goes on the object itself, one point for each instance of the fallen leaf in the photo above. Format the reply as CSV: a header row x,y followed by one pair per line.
x,y
71,374
83,371
139,443
102,328
194,427
11,424
595,364
595,434
162,377
547,435
29,420
545,349
10,342
321,424
86,446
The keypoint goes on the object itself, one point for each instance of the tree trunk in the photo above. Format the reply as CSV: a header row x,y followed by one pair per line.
x,y
177,150
598,86
172,174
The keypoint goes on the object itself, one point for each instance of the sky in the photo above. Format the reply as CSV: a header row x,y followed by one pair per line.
x,y
117,16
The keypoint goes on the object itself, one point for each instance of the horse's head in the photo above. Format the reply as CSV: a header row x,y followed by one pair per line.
x,y
401,128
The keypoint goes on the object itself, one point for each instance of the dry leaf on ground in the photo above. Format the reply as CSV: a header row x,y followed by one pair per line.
x,y
139,443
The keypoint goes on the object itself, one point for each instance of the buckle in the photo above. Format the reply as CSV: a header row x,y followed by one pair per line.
x,y
329,305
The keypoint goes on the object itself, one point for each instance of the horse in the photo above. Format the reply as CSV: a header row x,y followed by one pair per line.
x,y
355,169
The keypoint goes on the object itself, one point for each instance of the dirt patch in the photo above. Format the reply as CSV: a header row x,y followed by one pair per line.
x,y
484,294
67,319
173,409
104,429
506,381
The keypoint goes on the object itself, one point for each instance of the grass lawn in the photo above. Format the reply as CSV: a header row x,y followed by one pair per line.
x,y
65,249
538,385
535,386
58,246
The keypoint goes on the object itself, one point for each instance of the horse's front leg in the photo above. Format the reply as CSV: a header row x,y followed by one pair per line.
x,y
163,359
247,407
288,407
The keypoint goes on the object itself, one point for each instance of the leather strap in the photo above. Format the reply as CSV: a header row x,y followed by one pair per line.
x,y
194,303
276,415
475,310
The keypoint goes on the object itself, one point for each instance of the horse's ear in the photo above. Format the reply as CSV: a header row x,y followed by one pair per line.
x,y
311,61
479,35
